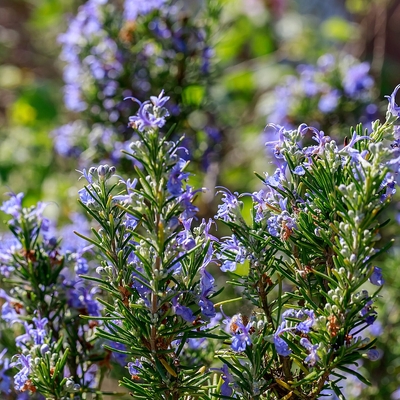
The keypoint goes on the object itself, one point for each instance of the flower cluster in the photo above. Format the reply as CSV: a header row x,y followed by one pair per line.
x,y
141,292
311,246
114,50
335,93
55,354
156,267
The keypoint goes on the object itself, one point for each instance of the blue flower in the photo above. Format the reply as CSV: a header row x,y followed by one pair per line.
x,y
21,378
357,80
230,204
161,99
329,101
273,226
207,281
299,170
186,199
240,332
87,195
8,312
226,390
306,325
277,145
185,312
231,247
228,266
177,176
82,266
38,335
134,8
185,237
207,307
276,179
393,108
376,278
83,300
374,354
313,357
207,287
14,205
134,367
149,115
5,379
241,339
281,347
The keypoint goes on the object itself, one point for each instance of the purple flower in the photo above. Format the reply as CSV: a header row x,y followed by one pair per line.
x,y
374,354
226,390
22,376
281,347
329,101
83,300
277,145
207,54
8,246
135,367
66,138
273,226
185,312
161,99
207,282
149,116
27,337
186,199
207,287
357,80
307,80
276,179
241,339
130,188
82,266
376,278
321,139
8,309
393,108
207,307
313,357
240,332
368,313
141,285
233,246
134,8
230,204
389,183
14,205
120,358
177,176
87,195
185,237
86,34
206,232
306,325
5,379
38,335
72,242
299,170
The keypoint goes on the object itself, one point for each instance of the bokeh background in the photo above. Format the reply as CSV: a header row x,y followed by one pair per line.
x,y
327,63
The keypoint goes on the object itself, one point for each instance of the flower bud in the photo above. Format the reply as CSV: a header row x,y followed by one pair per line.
x,y
44,349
